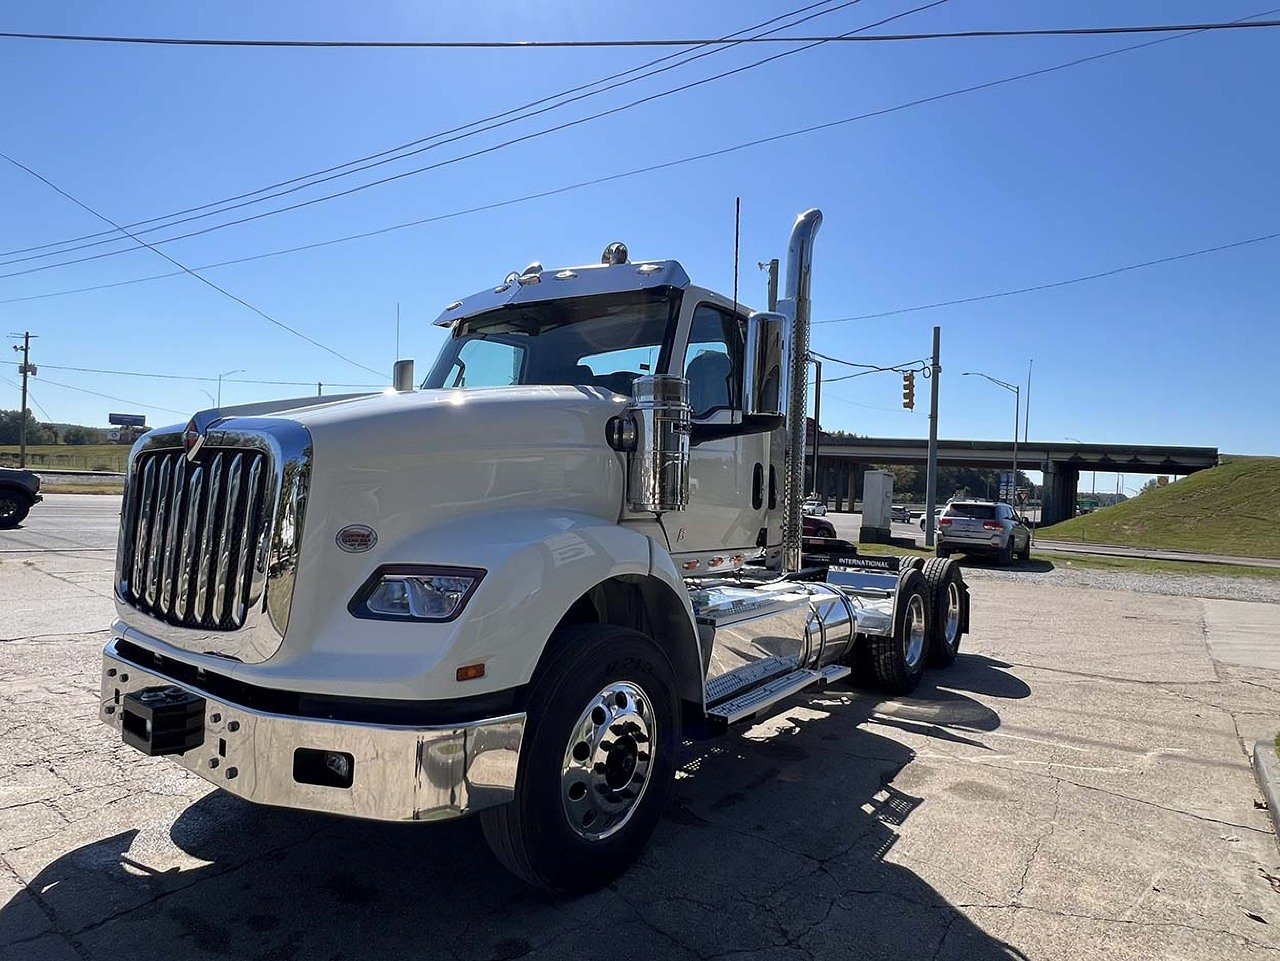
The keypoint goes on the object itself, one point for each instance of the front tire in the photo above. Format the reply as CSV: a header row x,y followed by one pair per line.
x,y
13,509
598,761
897,661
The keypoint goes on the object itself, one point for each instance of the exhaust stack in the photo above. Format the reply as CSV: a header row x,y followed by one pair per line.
x,y
796,307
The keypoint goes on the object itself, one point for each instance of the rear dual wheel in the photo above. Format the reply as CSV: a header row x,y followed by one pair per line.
x,y
946,589
897,661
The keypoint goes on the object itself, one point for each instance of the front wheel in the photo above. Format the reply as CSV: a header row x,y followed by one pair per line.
x,y
598,761
13,509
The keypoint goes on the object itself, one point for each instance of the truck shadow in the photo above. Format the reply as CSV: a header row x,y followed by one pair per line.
x,y
776,842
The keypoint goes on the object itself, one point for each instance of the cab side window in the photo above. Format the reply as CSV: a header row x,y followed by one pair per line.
x,y
713,361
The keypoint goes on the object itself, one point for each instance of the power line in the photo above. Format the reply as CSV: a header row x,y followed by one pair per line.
x,y
906,365
627,42
211,380
122,400
403,150
539,195
31,397
1057,283
453,160
204,280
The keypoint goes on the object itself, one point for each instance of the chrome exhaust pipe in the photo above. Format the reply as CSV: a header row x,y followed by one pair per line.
x,y
796,307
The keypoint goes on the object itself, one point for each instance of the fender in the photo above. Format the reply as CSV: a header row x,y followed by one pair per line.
x,y
536,562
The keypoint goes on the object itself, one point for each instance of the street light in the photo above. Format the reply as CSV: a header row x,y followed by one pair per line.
x,y
220,376
1093,487
1017,417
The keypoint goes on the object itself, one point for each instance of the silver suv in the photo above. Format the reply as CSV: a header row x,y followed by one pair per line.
x,y
983,527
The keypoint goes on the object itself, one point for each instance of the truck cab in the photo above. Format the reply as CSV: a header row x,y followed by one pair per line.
x,y
515,591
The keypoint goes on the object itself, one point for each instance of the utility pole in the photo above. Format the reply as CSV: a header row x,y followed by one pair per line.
x,y
319,389
817,420
772,267
931,472
25,369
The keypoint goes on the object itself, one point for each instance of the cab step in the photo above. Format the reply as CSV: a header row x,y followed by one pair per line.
x,y
747,705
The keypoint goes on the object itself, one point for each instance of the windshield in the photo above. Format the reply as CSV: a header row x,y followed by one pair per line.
x,y
600,341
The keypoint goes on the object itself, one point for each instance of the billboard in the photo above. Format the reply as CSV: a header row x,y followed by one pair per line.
x,y
127,420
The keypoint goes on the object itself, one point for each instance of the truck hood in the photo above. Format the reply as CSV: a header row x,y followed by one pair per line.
x,y
400,428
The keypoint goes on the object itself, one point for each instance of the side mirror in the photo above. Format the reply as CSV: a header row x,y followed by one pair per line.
x,y
763,374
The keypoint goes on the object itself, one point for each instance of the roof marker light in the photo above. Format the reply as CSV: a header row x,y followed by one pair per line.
x,y
648,268
566,275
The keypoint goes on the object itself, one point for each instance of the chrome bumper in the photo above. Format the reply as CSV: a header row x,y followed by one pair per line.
x,y
398,774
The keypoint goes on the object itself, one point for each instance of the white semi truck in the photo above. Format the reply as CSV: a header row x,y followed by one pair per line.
x,y
513,592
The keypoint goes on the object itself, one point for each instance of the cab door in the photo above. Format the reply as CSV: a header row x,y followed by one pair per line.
x,y
728,475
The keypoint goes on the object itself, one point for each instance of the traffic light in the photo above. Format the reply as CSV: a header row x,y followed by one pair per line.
x,y
909,390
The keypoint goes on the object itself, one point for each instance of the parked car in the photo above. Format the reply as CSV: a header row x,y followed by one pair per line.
x,y
983,527
815,508
19,492
900,513
813,527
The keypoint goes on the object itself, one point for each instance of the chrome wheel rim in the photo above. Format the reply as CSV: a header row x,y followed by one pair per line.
x,y
608,760
8,508
913,631
951,628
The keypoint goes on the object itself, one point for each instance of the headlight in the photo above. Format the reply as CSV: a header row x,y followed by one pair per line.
x,y
411,592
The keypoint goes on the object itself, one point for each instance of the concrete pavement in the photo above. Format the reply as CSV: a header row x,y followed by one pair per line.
x,y
1076,786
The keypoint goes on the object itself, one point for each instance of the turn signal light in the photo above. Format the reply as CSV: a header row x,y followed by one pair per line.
x,y
470,672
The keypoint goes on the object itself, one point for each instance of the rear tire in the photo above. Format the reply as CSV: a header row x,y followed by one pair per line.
x,y
597,764
1004,557
897,662
1024,555
946,588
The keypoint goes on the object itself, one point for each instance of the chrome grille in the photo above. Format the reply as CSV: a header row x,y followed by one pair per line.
x,y
192,534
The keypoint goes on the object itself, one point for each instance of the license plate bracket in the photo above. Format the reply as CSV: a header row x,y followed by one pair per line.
x,y
162,720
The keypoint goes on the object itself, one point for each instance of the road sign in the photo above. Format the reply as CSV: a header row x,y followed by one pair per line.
x,y
1006,485
113,436
127,420
1162,480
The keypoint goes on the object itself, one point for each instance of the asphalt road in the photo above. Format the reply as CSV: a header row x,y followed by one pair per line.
x,y
66,522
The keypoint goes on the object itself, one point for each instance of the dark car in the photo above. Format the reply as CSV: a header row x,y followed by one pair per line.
x,y
19,490
817,527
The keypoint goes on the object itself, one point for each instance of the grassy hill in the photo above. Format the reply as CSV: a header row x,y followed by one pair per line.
x,y
68,456
1230,509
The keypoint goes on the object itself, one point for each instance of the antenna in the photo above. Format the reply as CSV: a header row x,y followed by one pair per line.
x,y
737,229
397,357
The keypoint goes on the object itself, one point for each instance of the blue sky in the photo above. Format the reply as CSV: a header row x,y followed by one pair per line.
x,y
1131,158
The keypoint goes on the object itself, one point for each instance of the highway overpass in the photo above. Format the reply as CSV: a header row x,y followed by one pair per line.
x,y
842,459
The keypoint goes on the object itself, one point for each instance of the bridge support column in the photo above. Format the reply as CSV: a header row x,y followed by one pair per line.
x,y
1059,499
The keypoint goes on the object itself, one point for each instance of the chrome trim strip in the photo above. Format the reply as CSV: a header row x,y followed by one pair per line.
x,y
244,574
171,543
400,773
225,534
245,620
195,492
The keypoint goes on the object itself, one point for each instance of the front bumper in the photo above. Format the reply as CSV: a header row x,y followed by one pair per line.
x,y
398,773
